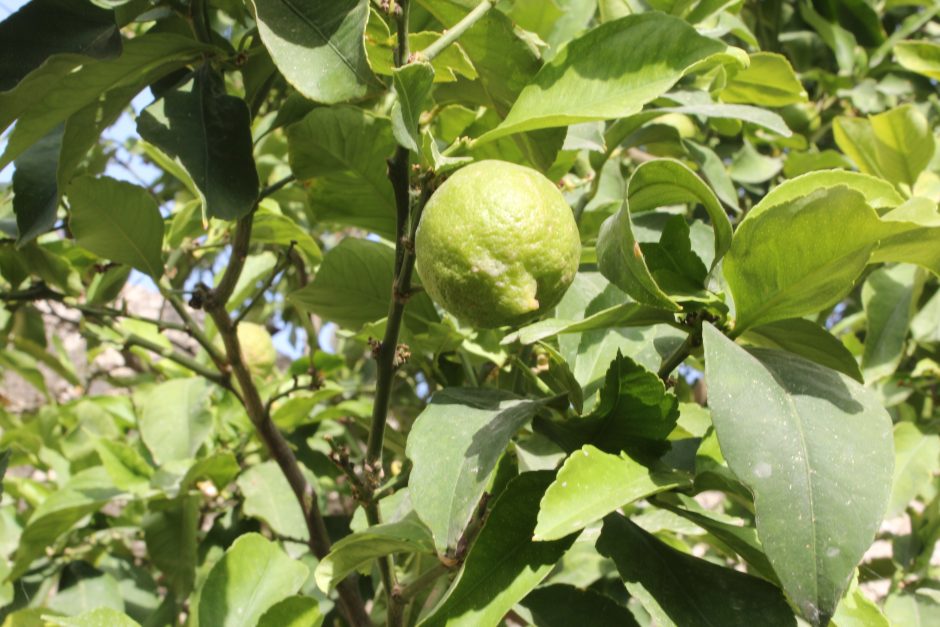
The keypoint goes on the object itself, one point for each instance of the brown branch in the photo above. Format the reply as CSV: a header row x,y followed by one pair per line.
x,y
214,301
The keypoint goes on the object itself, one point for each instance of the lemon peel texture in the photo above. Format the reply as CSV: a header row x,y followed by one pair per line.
x,y
497,244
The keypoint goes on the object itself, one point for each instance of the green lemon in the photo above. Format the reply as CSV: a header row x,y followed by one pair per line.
x,y
497,244
257,348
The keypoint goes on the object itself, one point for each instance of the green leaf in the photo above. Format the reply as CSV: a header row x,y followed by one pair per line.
x,y
504,564
627,314
493,44
895,145
170,531
318,46
343,150
174,418
753,168
857,610
911,235
878,194
454,445
268,227
42,28
795,258
653,184
561,605
55,91
922,57
916,462
100,617
126,467
358,550
678,589
252,576
412,86
739,539
354,285
117,221
86,492
592,484
590,352
269,497
925,327
35,193
814,448
209,132
591,79
806,339
920,608
889,298
768,81
296,611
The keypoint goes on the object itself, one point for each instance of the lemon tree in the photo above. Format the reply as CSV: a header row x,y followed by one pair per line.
x,y
466,312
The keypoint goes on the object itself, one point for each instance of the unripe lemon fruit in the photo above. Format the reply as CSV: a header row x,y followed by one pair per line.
x,y
497,244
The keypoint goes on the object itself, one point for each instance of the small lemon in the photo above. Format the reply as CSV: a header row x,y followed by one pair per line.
x,y
497,244
257,348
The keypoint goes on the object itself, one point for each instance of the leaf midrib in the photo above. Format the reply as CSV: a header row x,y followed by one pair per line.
x,y
313,25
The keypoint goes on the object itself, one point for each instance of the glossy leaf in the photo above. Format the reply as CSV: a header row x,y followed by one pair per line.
x,y
806,339
86,492
174,418
794,258
768,81
170,531
493,44
504,564
252,576
911,235
209,132
268,227
591,79
814,448
343,150
889,298
318,46
51,94
879,194
561,605
100,617
35,192
354,285
916,462
920,608
678,589
653,184
454,446
627,314
43,28
592,484
269,497
412,86
922,57
360,549
117,221
295,611
896,145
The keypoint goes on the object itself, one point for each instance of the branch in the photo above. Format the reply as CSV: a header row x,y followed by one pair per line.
x,y
184,360
280,267
215,302
453,34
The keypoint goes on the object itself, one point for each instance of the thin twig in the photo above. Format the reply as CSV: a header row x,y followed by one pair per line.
x,y
454,33
278,268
